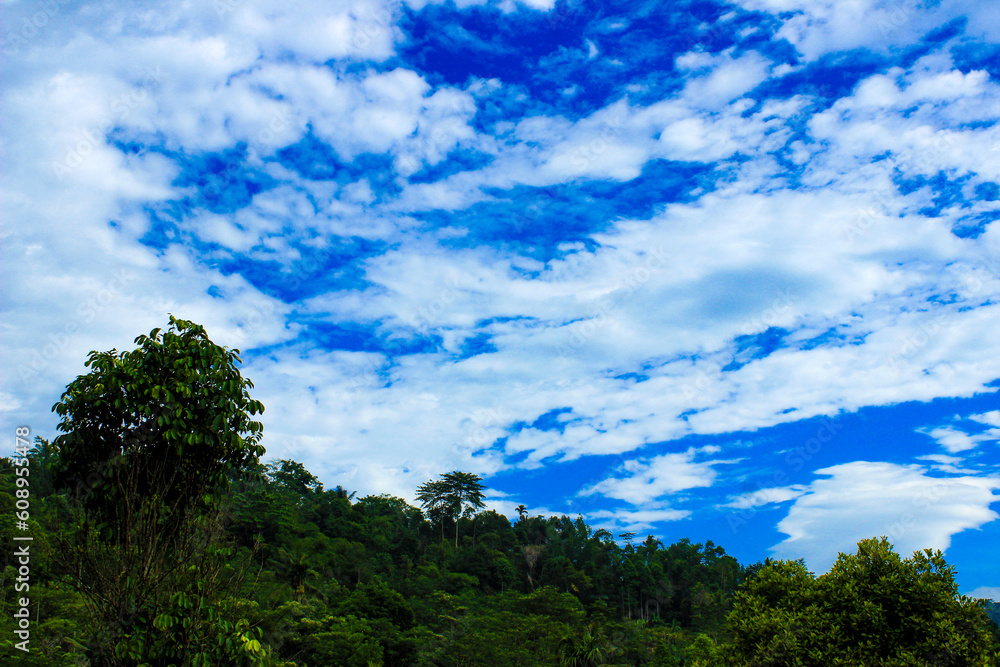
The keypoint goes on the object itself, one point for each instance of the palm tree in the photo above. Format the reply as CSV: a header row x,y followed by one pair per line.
x,y
432,497
44,452
590,650
296,567
521,511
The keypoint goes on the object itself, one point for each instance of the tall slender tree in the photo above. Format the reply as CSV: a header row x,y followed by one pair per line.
x,y
456,495
433,499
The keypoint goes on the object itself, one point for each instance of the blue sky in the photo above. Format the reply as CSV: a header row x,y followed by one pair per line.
x,y
718,270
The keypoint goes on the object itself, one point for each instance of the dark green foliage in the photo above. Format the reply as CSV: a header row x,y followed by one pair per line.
x,y
370,582
171,418
455,496
873,608
309,634
151,441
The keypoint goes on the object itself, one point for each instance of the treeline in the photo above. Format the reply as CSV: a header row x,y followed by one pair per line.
x,y
318,577
331,579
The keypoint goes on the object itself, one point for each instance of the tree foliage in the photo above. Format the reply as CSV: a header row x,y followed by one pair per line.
x,y
873,607
171,419
150,440
456,495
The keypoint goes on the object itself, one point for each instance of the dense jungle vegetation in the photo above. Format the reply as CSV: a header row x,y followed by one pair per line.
x,y
159,538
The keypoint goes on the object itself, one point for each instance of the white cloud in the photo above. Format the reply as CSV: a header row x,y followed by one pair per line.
x,y
948,86
506,6
665,296
395,111
817,27
955,440
986,592
542,5
343,29
652,479
991,418
854,501
728,79
633,521
767,496
948,464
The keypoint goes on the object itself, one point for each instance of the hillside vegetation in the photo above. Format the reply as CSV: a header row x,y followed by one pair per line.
x,y
159,538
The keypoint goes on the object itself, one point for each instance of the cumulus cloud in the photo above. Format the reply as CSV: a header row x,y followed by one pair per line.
x,y
817,27
954,440
991,418
948,464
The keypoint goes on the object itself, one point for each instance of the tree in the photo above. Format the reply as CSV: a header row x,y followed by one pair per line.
x,y
456,495
433,497
150,441
341,492
701,652
294,476
873,608
171,418
521,511
311,635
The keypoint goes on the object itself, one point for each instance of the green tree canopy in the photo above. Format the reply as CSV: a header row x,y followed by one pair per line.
x,y
150,441
873,608
456,495
171,418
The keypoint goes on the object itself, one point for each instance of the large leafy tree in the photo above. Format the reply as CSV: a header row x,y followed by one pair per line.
x,y
150,441
172,417
456,495
873,608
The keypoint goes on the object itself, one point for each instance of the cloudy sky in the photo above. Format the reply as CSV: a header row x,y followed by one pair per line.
x,y
705,269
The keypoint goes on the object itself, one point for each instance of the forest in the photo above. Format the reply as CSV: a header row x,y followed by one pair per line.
x,y
150,532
